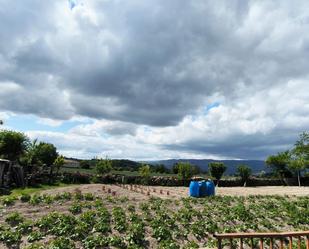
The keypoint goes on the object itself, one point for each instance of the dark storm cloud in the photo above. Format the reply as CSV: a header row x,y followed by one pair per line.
x,y
156,62
159,61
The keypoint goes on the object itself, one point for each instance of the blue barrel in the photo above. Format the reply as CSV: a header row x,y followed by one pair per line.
x,y
210,188
203,188
194,189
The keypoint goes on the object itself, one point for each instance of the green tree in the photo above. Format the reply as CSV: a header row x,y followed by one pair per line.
x,y
84,164
279,163
185,171
216,170
13,144
301,148
299,156
59,162
46,154
103,166
244,172
144,171
297,165
175,168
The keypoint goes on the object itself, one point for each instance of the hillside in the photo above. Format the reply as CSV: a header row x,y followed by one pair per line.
x,y
256,165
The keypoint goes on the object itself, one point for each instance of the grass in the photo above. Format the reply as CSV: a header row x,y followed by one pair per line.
x,y
32,190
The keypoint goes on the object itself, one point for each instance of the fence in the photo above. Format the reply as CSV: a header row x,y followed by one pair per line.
x,y
272,237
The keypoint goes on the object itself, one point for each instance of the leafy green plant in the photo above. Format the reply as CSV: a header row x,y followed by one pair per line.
x,y
14,219
10,237
8,200
25,197
35,199
117,242
119,219
89,196
61,243
25,227
76,208
34,236
36,245
93,242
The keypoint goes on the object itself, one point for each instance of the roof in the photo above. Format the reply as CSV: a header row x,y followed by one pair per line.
x,y
4,160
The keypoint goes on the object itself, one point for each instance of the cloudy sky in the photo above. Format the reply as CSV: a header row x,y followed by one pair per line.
x,y
156,79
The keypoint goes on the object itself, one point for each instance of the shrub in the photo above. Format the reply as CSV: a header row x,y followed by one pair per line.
x,y
61,242
35,199
25,227
103,166
34,236
89,196
244,172
76,208
36,246
8,200
84,164
14,219
25,198
216,170
10,237
80,178
95,242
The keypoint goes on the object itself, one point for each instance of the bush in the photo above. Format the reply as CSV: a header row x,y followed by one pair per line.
x,y
25,197
84,164
216,170
103,166
14,219
76,178
8,200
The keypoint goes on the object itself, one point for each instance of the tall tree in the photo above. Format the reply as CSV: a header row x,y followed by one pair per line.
x,y
45,153
185,171
244,172
13,144
301,148
216,170
103,166
59,162
297,165
144,171
279,163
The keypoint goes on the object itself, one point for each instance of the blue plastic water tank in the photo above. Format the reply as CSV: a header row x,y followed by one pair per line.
x,y
210,188
194,189
202,188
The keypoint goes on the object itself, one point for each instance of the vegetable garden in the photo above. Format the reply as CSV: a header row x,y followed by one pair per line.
x,y
84,220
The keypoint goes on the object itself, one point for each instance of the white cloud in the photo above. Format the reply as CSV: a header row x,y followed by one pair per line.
x,y
140,75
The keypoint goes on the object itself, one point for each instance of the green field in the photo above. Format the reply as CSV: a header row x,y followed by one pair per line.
x,y
87,221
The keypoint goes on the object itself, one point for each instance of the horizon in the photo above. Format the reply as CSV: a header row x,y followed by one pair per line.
x,y
154,80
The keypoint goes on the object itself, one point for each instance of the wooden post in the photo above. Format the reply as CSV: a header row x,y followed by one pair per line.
x,y
281,246
231,243
252,245
271,245
261,243
219,243
307,242
241,246
299,242
290,242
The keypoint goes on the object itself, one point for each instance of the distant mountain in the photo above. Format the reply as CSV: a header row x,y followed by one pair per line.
x,y
256,165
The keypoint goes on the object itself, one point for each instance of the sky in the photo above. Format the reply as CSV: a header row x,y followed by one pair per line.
x,y
157,79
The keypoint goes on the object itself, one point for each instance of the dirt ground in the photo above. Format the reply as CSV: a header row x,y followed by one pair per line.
x,y
144,192
135,194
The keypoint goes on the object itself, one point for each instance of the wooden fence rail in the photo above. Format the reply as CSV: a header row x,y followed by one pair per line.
x,y
273,237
